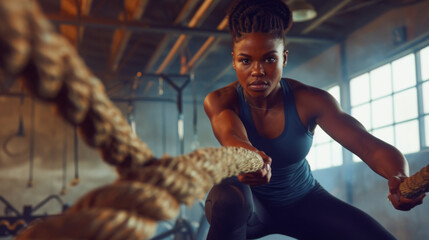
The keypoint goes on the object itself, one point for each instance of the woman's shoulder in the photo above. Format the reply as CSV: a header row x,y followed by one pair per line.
x,y
311,98
226,91
223,98
301,89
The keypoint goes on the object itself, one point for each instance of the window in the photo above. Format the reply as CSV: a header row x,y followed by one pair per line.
x,y
425,90
362,83
404,73
325,151
389,108
383,84
424,63
427,130
385,100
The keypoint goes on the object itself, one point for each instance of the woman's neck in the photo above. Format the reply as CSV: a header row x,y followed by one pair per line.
x,y
267,103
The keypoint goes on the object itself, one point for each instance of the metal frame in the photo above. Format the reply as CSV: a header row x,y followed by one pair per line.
x,y
27,213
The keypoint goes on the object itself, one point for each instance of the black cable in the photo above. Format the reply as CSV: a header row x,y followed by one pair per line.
x,y
76,157
20,133
31,155
64,190
21,117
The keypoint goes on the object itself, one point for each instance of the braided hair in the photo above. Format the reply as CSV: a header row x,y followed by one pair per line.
x,y
266,16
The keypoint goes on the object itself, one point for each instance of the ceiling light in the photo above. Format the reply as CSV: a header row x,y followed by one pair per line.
x,y
302,10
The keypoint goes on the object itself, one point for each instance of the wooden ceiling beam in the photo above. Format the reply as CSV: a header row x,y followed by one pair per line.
x,y
138,26
205,49
134,10
201,14
184,13
326,16
74,8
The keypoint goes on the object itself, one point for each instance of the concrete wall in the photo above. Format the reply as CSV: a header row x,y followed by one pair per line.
x,y
322,71
373,43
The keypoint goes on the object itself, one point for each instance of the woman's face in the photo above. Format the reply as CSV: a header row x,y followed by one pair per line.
x,y
258,59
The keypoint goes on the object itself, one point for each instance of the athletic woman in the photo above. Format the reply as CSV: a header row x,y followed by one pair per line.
x,y
276,117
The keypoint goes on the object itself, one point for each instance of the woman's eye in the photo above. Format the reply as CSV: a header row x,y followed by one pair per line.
x,y
271,60
245,61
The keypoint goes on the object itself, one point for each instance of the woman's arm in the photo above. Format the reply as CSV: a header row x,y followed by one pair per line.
x,y
220,107
381,157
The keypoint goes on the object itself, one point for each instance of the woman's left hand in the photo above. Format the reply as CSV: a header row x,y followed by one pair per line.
x,y
399,202
259,177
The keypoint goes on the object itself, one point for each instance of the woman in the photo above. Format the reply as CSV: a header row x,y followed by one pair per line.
x,y
276,117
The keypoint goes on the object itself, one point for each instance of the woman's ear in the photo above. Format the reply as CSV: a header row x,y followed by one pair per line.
x,y
285,53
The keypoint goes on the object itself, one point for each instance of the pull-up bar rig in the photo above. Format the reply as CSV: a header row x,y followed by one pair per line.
x,y
182,228
10,225
179,100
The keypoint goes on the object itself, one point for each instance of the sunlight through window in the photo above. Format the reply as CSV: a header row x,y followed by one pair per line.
x,y
325,152
424,63
407,137
391,110
381,81
385,134
427,131
335,92
363,114
359,89
312,158
425,91
382,113
405,105
404,72
337,154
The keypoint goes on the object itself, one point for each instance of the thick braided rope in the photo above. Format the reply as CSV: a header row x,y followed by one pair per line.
x,y
148,189
142,199
192,175
147,194
97,224
53,71
415,185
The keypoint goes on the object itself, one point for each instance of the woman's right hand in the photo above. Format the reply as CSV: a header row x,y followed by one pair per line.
x,y
399,202
259,177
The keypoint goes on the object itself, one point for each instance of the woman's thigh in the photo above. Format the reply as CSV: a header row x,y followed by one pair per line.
x,y
322,216
234,212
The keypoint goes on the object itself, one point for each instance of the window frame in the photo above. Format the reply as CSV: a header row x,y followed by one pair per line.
x,y
416,50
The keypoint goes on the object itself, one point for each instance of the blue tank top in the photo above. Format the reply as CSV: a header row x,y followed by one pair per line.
x,y
291,175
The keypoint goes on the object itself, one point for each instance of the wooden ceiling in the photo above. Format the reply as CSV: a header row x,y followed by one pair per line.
x,y
127,43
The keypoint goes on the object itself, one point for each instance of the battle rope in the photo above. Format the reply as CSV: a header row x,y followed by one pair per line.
x,y
148,189
415,185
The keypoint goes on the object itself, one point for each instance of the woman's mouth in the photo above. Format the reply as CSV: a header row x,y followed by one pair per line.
x,y
258,86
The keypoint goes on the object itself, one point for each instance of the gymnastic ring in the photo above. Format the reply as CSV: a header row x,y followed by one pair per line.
x,y
7,151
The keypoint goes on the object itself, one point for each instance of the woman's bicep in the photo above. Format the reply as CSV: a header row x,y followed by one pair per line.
x,y
343,128
383,158
226,124
228,128
347,131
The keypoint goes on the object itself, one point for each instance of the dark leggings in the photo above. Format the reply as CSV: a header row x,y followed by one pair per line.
x,y
235,213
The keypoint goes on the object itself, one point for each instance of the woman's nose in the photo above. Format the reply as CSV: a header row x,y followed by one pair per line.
x,y
258,69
